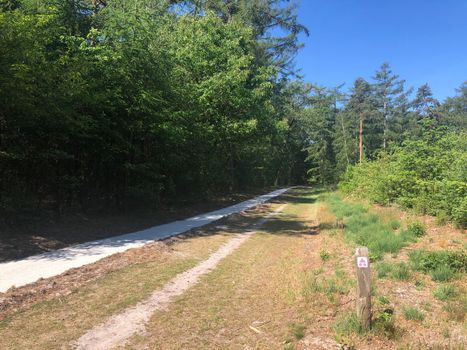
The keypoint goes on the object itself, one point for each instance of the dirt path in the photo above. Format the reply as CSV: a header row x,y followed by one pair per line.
x,y
120,327
22,272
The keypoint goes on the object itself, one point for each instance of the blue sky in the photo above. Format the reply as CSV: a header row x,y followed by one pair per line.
x,y
422,40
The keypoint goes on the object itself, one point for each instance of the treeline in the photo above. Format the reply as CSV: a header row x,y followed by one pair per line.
x,y
112,102
116,102
388,147
379,115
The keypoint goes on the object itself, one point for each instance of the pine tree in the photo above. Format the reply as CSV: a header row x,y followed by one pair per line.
x,y
365,120
391,101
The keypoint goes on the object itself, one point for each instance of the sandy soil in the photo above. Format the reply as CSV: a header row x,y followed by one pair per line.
x,y
121,326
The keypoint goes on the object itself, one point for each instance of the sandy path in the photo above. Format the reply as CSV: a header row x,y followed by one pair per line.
x,y
21,272
116,330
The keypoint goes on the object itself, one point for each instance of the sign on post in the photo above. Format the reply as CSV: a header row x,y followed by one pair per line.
x,y
362,263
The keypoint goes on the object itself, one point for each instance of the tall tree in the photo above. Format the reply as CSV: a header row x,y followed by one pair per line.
x,y
390,98
361,108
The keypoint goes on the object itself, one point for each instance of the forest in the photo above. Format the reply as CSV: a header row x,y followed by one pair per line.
x,y
107,103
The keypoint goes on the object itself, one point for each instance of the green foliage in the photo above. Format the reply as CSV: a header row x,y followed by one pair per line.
x,y
109,103
412,313
428,174
324,255
442,273
427,261
383,323
297,330
416,228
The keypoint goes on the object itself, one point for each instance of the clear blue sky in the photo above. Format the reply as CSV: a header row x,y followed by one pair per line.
x,y
422,40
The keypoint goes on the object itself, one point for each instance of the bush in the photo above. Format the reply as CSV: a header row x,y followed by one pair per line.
x,y
428,175
422,260
416,228
324,255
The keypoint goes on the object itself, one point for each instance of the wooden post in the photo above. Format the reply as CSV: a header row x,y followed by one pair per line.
x,y
362,263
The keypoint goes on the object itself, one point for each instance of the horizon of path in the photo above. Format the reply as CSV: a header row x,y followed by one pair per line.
x,y
28,270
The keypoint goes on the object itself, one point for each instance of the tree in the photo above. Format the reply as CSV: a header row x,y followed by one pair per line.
x,y
361,109
391,101
454,110
424,102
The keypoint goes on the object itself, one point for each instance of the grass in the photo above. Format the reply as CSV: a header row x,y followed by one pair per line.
x,y
346,327
412,313
60,320
297,330
366,229
259,284
398,271
329,286
427,261
444,292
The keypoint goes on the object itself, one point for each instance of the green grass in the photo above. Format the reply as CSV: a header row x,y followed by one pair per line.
x,y
442,274
398,271
444,292
412,313
330,286
366,229
347,325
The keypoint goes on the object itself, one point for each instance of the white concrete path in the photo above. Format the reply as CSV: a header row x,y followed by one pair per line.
x,y
21,272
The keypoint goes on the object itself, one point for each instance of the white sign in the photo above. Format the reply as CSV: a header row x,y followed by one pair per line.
x,y
362,262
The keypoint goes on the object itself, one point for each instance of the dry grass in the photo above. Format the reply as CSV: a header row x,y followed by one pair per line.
x,y
252,300
55,321
290,286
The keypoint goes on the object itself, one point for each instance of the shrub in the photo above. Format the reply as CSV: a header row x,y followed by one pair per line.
x,y
427,174
422,260
324,255
416,228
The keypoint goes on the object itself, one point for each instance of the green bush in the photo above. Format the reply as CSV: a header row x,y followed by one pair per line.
x,y
416,228
428,175
422,260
